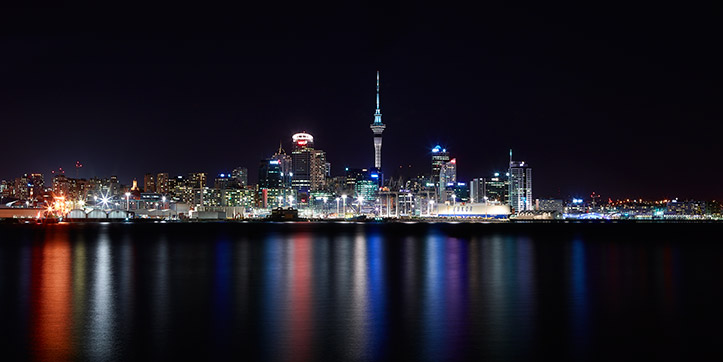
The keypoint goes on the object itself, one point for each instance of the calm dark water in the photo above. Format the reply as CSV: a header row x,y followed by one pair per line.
x,y
361,292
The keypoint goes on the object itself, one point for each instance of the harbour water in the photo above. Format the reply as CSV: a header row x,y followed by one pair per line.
x,y
348,291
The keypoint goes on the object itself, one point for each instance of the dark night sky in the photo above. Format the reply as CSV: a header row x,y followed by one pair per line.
x,y
624,101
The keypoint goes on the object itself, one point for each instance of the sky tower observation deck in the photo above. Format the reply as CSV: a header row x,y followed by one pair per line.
x,y
378,127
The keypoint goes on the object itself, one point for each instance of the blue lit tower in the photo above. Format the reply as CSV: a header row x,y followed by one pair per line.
x,y
378,127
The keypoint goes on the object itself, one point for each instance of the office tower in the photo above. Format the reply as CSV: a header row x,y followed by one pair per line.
x,y
271,187
270,174
240,176
440,156
36,185
448,173
162,186
496,188
149,183
61,185
319,170
286,165
377,128
224,181
477,190
196,180
308,164
447,179
114,186
460,191
520,186
361,182
21,190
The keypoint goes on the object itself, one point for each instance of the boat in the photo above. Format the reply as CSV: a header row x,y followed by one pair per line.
x,y
283,214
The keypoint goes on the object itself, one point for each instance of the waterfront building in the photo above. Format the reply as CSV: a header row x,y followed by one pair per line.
x,y
491,189
149,183
162,186
20,188
550,205
520,194
474,211
477,190
378,128
461,192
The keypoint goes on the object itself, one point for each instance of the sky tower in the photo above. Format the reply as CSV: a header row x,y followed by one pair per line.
x,y
378,127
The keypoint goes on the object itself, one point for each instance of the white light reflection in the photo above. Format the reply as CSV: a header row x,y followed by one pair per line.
x,y
102,304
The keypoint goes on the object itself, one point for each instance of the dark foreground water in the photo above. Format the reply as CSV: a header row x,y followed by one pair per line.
x,y
361,292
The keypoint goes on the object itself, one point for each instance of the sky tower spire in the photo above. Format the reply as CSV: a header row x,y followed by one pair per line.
x,y
378,127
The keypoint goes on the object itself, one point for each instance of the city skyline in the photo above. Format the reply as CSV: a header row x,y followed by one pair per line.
x,y
625,111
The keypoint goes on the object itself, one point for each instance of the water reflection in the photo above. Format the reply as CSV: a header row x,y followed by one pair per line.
x,y
52,285
100,292
102,304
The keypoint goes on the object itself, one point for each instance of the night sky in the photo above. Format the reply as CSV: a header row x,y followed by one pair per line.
x,y
624,101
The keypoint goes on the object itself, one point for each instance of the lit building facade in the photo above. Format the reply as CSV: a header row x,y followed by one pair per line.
x,y
240,176
162,186
149,183
520,189
309,166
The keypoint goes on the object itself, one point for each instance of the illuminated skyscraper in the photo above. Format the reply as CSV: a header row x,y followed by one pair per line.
x,y
440,156
162,183
308,164
378,127
520,185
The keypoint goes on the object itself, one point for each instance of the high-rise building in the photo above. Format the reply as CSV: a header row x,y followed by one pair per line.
x,y
36,183
240,175
308,164
520,186
162,186
440,156
149,183
447,178
448,173
286,165
196,180
477,190
492,189
5,188
61,185
224,181
377,128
